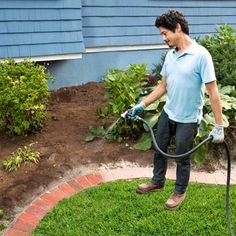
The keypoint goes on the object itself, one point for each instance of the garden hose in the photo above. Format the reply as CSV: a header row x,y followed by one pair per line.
x,y
210,138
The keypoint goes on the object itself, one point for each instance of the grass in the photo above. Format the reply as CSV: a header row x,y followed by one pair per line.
x,y
115,209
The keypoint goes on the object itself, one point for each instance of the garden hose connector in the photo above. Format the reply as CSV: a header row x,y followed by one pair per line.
x,y
123,115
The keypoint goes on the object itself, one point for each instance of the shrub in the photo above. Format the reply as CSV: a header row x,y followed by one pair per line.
x,y
23,96
124,87
222,47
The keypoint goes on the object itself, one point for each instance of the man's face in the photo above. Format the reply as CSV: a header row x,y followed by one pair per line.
x,y
169,36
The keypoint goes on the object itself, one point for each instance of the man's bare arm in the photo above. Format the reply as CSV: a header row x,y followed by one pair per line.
x,y
158,92
215,102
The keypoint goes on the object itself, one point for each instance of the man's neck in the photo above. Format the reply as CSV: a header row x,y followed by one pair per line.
x,y
184,43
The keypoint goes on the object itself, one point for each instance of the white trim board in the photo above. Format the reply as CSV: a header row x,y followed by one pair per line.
x,y
49,58
125,48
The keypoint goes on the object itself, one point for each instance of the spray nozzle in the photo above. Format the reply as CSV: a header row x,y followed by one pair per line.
x,y
124,115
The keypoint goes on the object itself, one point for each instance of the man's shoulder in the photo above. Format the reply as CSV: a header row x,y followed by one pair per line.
x,y
199,49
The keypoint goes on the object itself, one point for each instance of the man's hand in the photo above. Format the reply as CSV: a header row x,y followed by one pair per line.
x,y
217,133
136,110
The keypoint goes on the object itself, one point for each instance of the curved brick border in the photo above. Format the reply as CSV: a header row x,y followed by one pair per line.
x,y
28,220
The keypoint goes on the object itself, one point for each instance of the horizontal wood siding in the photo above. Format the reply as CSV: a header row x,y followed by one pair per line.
x,y
122,22
40,28
55,27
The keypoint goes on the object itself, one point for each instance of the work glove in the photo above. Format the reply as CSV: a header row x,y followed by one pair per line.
x,y
136,110
217,133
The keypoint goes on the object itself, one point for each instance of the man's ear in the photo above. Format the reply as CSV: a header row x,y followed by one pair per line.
x,y
178,28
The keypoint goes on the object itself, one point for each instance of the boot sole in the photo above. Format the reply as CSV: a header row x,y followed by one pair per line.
x,y
173,208
153,190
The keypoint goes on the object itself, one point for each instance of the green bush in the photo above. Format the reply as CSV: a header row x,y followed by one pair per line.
x,y
222,47
23,96
124,87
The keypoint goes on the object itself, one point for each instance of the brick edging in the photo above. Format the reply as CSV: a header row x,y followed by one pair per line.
x,y
27,221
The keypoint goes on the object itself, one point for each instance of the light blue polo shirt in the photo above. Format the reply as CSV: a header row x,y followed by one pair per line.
x,y
185,76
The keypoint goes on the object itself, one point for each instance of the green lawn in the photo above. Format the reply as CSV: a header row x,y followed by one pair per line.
x,y
114,208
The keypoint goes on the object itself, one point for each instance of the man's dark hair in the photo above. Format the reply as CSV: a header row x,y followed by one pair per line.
x,y
170,19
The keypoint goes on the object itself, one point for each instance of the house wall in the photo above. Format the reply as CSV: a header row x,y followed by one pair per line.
x,y
132,22
94,66
82,39
40,28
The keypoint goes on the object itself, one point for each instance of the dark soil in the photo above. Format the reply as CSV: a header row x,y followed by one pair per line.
x,y
64,152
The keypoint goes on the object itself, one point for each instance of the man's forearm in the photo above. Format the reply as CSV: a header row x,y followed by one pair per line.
x,y
215,102
158,92
216,107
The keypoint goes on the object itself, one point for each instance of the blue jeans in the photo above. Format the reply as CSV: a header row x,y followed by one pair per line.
x,y
184,137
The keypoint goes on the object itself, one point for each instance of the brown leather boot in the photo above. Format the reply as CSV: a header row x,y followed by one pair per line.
x,y
175,201
149,187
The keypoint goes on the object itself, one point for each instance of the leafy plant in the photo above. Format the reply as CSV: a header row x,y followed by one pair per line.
x,y
95,132
20,156
124,87
222,47
23,96
2,226
1,213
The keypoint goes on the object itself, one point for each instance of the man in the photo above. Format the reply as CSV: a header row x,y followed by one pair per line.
x,y
186,69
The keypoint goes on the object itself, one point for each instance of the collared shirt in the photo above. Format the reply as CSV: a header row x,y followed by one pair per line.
x,y
185,76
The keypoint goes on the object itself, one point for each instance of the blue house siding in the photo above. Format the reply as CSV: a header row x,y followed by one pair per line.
x,y
40,28
109,23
